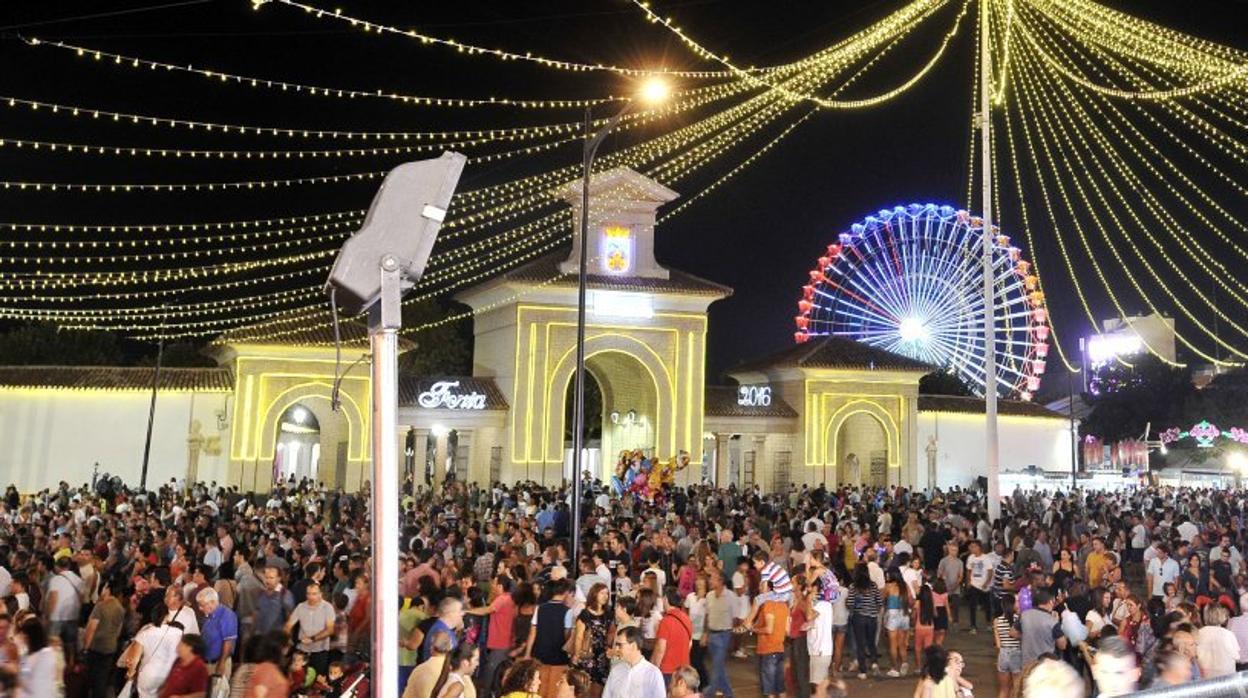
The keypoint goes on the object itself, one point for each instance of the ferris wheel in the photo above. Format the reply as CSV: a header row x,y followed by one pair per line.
x,y
910,280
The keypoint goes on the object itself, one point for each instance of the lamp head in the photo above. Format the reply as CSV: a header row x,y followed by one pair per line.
x,y
654,91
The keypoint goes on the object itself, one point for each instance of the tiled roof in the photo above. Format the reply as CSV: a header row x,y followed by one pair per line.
x,y
410,388
836,352
721,401
975,405
217,380
543,269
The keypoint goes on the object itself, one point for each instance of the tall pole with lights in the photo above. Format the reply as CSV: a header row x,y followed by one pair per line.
x,y
991,445
653,92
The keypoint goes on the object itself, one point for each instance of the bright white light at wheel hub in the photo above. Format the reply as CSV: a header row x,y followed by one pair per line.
x,y
912,329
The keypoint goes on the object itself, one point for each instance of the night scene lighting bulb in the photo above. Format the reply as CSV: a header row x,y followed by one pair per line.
x,y
655,91
912,329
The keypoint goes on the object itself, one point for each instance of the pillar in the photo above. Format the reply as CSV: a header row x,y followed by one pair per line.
x,y
439,460
762,473
721,459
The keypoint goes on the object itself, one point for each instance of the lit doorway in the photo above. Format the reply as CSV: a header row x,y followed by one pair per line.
x,y
298,452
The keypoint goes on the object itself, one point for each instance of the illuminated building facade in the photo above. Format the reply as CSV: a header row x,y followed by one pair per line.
x,y
828,410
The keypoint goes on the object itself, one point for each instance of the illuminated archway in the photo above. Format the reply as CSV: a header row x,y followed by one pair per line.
x,y
858,424
626,369
348,426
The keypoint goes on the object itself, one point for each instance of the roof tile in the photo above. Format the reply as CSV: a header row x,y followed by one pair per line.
x,y
216,379
721,401
836,352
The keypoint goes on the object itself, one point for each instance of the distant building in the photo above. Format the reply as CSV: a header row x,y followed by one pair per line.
x,y
1130,336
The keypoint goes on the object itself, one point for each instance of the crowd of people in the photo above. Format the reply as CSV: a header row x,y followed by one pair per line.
x,y
198,590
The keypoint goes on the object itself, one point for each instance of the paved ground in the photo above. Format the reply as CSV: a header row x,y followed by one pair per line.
x,y
980,655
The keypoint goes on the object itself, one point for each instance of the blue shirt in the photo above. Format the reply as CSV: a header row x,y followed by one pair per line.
x,y
218,628
426,648
272,610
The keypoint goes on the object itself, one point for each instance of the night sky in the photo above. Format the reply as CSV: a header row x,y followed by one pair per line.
x,y
759,234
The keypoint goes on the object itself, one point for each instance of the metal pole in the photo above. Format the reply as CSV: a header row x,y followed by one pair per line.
x,y
990,348
1074,436
383,336
578,400
151,414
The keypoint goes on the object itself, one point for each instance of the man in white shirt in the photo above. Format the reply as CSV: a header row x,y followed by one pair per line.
x,y
1187,530
873,568
6,583
979,568
1139,539
812,537
63,604
1162,570
177,610
633,677
1237,560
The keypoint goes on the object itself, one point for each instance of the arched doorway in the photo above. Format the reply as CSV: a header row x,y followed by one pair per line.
x,y
297,453
862,451
621,412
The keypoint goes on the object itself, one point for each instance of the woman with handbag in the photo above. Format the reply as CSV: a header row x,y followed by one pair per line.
x,y
149,658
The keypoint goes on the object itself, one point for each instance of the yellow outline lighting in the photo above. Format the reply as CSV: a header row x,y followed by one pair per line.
x,y
552,378
892,431
240,417
540,388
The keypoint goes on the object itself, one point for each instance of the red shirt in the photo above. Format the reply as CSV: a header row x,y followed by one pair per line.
x,y
677,630
501,632
798,619
186,678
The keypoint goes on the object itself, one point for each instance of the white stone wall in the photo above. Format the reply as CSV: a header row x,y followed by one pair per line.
x,y
51,435
960,458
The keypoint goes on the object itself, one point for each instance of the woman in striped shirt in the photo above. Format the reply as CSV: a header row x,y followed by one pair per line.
x,y
1005,636
864,612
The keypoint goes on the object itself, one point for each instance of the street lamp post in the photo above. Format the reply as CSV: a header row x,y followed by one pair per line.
x,y
654,91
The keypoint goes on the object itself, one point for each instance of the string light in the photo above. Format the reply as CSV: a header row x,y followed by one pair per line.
x,y
635,121
911,13
1027,94
318,90
143,151
473,50
1057,126
713,146
283,131
1167,222
1230,77
1111,109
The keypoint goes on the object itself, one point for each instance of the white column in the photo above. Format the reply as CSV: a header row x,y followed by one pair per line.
x,y
721,459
